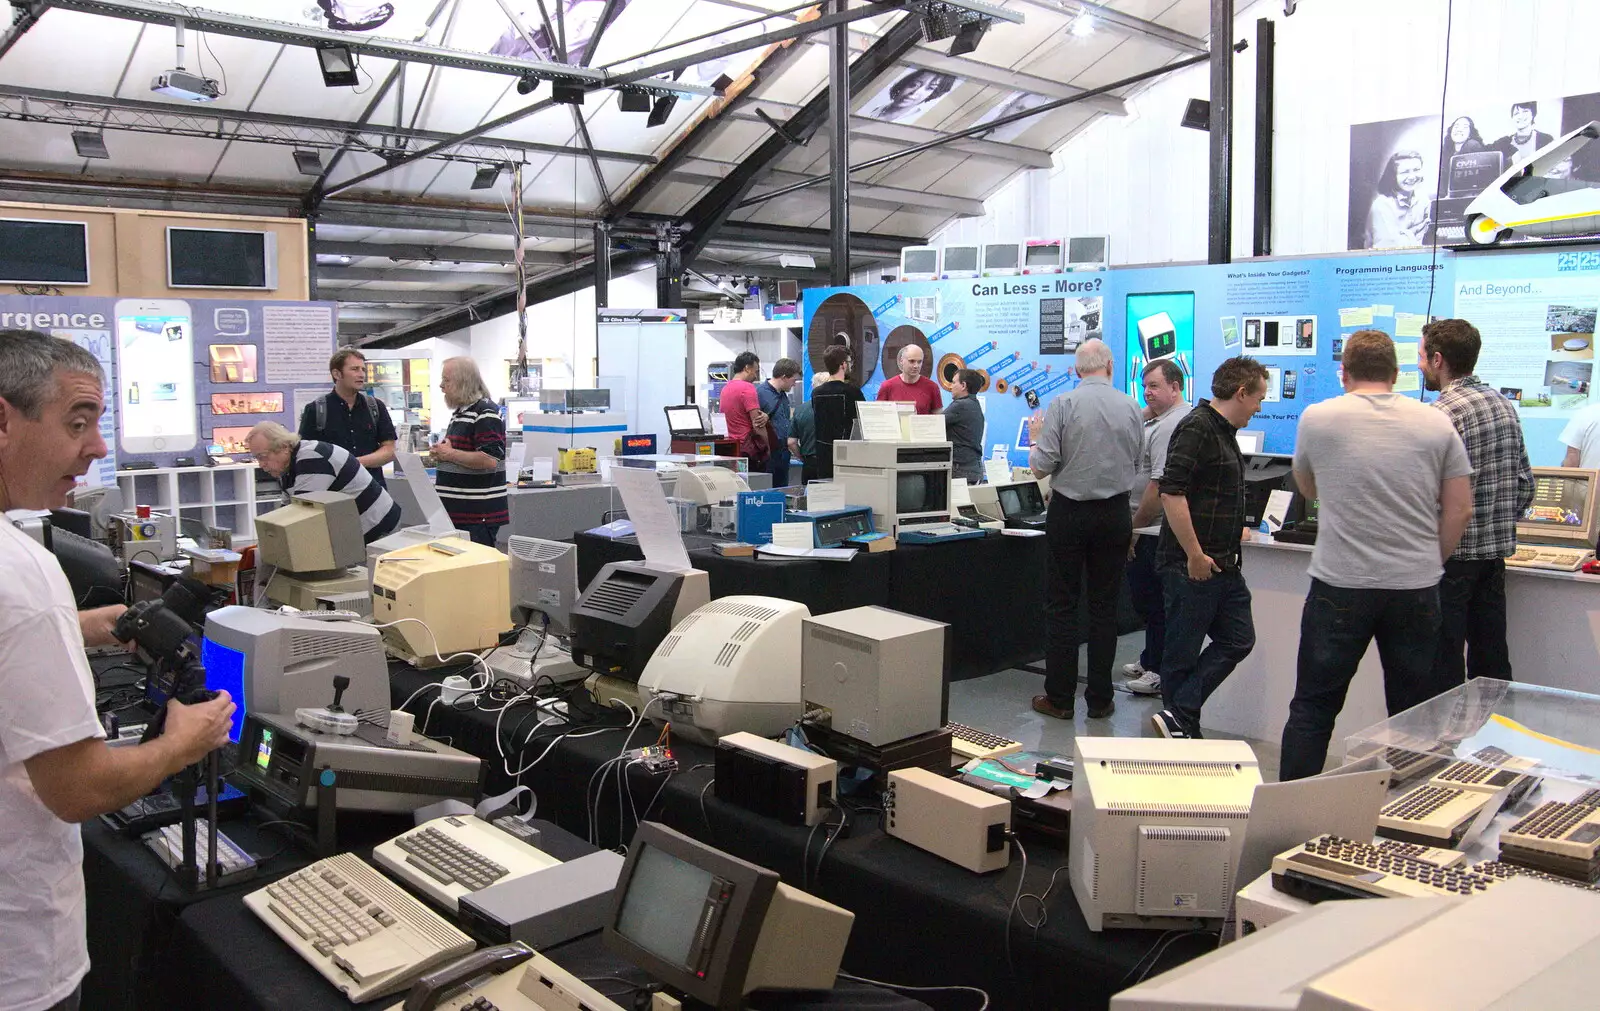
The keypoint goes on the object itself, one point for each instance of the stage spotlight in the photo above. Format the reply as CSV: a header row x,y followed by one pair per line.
x,y
566,94
338,65
526,84
662,110
968,37
308,163
1197,115
487,176
90,145
633,101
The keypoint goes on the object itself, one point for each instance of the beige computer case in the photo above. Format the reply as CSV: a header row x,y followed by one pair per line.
x,y
963,824
460,590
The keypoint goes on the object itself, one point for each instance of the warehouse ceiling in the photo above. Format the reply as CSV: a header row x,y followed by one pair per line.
x,y
409,171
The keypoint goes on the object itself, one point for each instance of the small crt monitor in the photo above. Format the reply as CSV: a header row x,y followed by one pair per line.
x,y
716,927
959,262
1020,501
919,263
1044,256
1088,252
1563,508
544,581
1002,259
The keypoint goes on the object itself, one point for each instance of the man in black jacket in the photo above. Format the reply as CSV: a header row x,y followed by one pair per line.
x,y
349,418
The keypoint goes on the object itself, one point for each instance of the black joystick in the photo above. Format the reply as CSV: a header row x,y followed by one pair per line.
x,y
340,683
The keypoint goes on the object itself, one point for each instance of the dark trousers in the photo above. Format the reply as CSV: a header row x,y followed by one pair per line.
x,y
1146,592
1218,607
1088,544
809,469
778,467
1336,627
482,533
71,1002
1472,623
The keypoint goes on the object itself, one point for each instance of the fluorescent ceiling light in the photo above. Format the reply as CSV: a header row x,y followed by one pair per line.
x,y
1082,25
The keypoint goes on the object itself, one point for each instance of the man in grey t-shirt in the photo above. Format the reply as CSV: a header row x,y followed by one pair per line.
x,y
1163,395
1396,495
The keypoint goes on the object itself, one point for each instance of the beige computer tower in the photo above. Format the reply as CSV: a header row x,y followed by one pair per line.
x,y
961,823
879,673
301,591
318,531
461,592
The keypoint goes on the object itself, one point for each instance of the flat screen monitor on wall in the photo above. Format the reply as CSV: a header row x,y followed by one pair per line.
x,y
221,258
43,252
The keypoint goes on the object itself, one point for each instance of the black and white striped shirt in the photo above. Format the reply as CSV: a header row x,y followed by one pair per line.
x,y
322,466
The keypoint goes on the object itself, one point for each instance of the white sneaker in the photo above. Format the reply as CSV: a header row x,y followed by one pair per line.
x,y
1133,670
1148,682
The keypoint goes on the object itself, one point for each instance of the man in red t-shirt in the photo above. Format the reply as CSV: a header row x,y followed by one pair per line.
x,y
740,403
911,385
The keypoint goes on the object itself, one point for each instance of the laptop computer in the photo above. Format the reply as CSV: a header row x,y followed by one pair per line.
x,y
686,422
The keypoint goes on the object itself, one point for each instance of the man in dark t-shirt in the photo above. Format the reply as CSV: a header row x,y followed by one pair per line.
x,y
347,417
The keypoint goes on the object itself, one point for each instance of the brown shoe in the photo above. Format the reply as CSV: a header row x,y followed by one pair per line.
x,y
1043,706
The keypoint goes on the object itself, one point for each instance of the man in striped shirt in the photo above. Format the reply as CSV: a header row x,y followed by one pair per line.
x,y
471,461
303,465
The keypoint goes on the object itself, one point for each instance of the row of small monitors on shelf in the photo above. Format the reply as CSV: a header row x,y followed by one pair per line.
x,y
1004,259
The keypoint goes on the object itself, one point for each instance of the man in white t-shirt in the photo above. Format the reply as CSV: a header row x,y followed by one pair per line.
x,y
55,768
1582,439
1393,485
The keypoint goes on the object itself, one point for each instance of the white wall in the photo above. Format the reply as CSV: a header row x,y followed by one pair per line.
x,y
1142,178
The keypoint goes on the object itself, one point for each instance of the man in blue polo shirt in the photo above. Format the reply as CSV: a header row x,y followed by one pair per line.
x,y
347,417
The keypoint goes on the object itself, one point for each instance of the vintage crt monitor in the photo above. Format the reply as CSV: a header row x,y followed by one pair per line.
x,y
958,262
276,663
716,927
406,537
1088,252
1021,505
905,483
1264,473
1157,829
459,592
315,544
1158,336
627,610
919,263
1002,259
1043,256
832,527
708,485
732,665
544,582
1563,510
880,674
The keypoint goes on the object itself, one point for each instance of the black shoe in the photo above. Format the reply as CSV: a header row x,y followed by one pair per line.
x,y
1167,725
1101,712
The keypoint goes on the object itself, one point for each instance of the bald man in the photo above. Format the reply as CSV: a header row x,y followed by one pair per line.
x,y
911,385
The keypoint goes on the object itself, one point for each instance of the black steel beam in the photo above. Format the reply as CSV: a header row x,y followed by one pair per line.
x,y
400,251
1219,219
26,17
602,266
839,149
1266,73
607,13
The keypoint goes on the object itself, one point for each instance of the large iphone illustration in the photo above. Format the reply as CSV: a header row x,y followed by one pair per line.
x,y
155,365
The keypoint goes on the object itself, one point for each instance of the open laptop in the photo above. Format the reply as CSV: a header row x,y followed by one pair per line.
x,y
686,422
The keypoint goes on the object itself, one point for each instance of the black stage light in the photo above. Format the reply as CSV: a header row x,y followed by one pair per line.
x,y
662,110
526,84
566,94
308,163
90,144
633,101
487,176
1197,115
338,65
968,37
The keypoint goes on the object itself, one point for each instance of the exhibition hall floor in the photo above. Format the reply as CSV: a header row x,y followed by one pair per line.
x,y
1001,704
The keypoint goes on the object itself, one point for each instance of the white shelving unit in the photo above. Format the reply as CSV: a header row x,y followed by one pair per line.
x,y
722,342
222,496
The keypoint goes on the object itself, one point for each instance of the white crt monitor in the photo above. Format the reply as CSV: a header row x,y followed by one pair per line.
x,y
1157,829
959,262
1044,256
544,581
457,592
919,263
405,537
708,485
1088,252
1563,508
318,531
1002,259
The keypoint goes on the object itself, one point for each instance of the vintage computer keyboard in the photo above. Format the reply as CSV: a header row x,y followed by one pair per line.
x,y
1331,867
453,856
1409,765
937,533
233,866
1427,854
1546,556
1432,815
1506,774
161,808
967,743
363,933
1556,837
1501,869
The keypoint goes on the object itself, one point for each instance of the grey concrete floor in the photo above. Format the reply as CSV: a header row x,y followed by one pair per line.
x,y
1001,703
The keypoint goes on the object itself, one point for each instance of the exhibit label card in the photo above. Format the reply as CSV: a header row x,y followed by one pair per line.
x,y
880,422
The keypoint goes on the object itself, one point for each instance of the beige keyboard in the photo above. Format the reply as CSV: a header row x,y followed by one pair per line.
x,y
1432,815
362,932
1358,868
457,855
1543,556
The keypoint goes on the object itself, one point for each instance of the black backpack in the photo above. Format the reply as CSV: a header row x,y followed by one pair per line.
x,y
320,406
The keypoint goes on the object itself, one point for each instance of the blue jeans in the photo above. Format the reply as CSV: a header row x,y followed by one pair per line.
x,y
1218,608
1146,592
1336,627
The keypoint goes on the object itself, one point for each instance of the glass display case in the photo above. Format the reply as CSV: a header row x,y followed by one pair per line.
x,y
674,461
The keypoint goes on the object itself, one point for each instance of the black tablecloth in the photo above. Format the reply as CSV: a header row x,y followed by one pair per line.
x,y
919,919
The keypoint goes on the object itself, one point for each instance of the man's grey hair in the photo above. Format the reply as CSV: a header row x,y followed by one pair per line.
x,y
469,381
818,378
1094,356
29,361
276,435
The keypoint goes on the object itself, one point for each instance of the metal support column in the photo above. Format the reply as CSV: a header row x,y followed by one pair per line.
x,y
1220,219
1266,56
602,265
311,258
839,151
669,267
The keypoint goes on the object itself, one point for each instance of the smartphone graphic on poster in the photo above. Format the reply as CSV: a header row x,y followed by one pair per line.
x,y
1289,381
1252,333
1269,333
155,365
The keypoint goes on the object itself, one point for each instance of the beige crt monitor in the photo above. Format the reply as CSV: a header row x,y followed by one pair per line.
x,y
318,531
459,590
1563,510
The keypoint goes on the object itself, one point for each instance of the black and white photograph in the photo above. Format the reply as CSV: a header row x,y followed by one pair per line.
x,y
909,96
1392,176
1019,101
579,20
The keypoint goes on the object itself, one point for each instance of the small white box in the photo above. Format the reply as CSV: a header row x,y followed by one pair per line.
x,y
961,823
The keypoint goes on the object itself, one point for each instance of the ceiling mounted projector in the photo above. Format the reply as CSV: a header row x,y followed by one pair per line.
x,y
187,86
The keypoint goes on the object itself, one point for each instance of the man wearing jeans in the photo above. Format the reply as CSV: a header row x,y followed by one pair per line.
x,y
1164,403
1395,496
1202,495
1087,443
1472,594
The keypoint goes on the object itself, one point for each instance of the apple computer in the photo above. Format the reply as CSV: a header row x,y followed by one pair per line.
x,y
708,486
1557,530
435,517
1088,252
1043,256
457,592
1157,829
919,263
544,586
958,262
1002,259
315,544
1021,505
716,927
271,662
732,665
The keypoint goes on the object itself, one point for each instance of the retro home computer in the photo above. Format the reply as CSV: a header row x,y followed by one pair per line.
x,y
315,544
905,483
544,587
1157,829
919,263
458,594
1002,259
1557,531
957,262
435,517
1021,505
623,615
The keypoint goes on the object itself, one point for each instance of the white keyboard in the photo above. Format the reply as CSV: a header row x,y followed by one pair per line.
x,y
363,933
234,864
1545,556
453,856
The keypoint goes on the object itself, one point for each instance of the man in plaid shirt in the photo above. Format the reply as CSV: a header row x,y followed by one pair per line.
x,y
1472,594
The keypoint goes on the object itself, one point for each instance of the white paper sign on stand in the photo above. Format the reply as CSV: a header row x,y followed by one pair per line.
x,y
824,496
654,521
436,516
879,422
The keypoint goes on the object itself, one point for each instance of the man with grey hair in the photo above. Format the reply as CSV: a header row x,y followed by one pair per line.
x,y
471,460
303,465
1087,442
911,385
55,768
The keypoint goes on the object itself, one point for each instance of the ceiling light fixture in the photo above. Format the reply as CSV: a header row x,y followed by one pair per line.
x,y
339,67
526,84
308,163
487,176
969,35
90,145
629,100
662,110
1082,25
566,94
